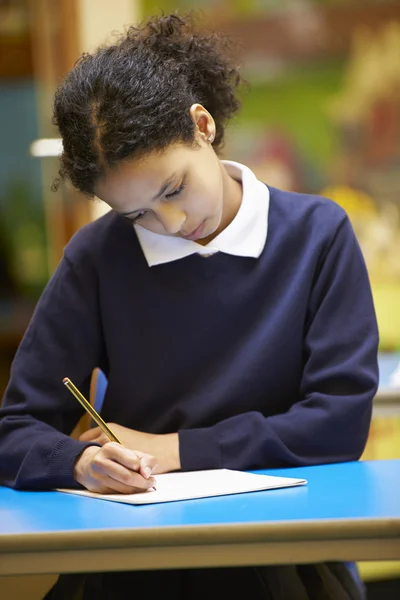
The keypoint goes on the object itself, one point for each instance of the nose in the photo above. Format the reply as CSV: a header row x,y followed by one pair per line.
x,y
171,218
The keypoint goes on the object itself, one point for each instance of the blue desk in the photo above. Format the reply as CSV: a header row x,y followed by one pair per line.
x,y
348,511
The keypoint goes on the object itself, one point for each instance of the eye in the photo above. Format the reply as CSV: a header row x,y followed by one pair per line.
x,y
178,191
137,217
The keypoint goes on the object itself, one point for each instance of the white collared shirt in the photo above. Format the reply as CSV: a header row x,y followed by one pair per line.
x,y
245,235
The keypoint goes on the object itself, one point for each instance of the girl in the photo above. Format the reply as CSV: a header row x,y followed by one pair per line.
x,y
234,321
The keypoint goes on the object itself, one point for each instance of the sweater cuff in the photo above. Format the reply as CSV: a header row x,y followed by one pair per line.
x,y
62,462
199,450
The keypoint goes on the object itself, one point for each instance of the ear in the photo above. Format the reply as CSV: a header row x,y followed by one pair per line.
x,y
205,125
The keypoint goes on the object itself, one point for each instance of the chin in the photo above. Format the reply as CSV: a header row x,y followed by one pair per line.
x,y
212,229
210,232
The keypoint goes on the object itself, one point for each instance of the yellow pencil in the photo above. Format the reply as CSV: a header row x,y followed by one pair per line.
x,y
89,408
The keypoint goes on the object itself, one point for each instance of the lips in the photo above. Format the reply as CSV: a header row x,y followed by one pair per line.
x,y
196,233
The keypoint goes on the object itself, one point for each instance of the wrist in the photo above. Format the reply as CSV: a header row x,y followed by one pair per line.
x,y
81,462
171,452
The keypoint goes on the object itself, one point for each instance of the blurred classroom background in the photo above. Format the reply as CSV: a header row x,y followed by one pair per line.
x,y
322,116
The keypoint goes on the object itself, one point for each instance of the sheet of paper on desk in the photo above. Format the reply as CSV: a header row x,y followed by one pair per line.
x,y
198,484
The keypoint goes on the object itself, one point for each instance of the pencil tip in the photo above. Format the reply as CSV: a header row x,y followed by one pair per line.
x,y
65,380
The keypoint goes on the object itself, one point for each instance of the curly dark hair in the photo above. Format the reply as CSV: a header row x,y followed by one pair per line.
x,y
133,97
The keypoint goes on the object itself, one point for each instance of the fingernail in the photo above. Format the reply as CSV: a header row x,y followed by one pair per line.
x,y
147,472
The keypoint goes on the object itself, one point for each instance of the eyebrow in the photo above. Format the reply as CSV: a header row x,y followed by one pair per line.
x,y
160,192
165,186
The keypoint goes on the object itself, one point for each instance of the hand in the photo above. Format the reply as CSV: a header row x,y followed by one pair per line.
x,y
113,468
164,447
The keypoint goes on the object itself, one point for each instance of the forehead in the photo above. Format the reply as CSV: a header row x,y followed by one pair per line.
x,y
142,178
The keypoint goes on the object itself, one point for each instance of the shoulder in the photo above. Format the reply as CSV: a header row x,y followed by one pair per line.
x,y
100,239
306,208
306,216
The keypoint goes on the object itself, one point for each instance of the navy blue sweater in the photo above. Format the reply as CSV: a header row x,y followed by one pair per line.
x,y
257,363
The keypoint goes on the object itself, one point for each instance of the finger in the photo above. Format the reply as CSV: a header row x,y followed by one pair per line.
x,y
127,481
101,439
102,484
106,485
124,456
128,459
137,484
147,465
113,486
90,434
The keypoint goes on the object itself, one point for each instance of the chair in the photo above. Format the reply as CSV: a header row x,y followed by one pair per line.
x,y
98,387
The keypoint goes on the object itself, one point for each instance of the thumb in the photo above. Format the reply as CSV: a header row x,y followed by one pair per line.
x,y
148,464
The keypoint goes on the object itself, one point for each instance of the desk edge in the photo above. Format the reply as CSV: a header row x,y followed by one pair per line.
x,y
345,529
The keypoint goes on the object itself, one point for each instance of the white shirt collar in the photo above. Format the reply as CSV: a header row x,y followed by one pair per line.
x,y
245,236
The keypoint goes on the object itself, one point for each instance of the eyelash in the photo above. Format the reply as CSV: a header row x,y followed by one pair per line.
x,y
138,217
177,192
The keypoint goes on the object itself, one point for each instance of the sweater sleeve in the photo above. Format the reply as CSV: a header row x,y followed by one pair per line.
x,y
38,413
330,420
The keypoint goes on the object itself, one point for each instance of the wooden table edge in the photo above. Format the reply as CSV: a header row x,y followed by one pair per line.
x,y
201,535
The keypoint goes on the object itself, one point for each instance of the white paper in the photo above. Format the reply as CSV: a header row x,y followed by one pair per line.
x,y
197,484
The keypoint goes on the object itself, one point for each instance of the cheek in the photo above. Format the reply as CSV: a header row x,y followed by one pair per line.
x,y
206,203
215,197
217,188
212,194
151,223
